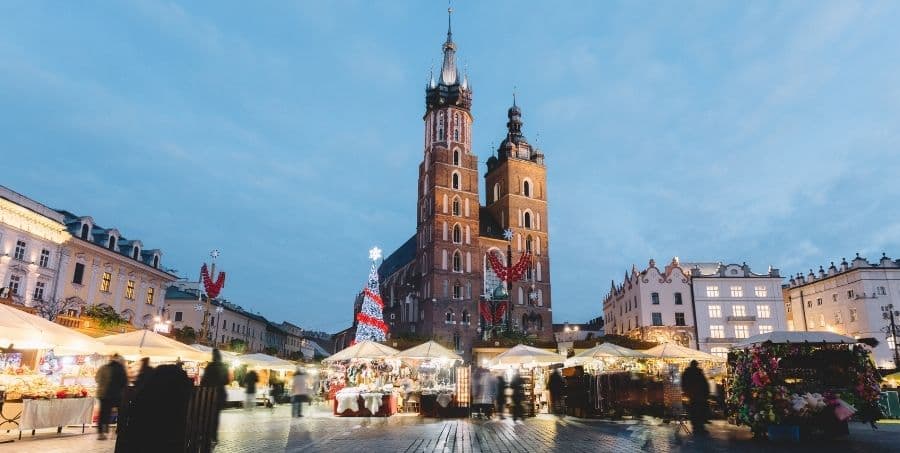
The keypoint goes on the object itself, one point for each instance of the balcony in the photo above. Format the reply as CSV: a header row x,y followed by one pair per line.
x,y
741,318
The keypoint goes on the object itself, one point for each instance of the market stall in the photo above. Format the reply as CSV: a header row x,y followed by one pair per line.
x,y
272,373
359,380
800,385
667,362
533,366
429,381
609,380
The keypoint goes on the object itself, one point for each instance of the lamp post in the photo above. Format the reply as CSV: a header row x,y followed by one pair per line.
x,y
218,317
888,313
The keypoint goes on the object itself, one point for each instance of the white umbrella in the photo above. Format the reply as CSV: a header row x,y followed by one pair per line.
x,y
674,351
783,337
146,343
363,350
428,350
266,362
527,355
209,349
26,331
609,350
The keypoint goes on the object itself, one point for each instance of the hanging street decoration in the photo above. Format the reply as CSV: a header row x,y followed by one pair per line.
x,y
494,316
212,287
371,324
198,307
509,274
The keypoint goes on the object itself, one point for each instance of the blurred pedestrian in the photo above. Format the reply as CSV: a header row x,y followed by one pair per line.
x,y
158,413
300,391
216,375
250,380
518,396
143,372
696,387
557,388
111,380
501,396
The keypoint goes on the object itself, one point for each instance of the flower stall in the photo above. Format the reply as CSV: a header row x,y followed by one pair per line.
x,y
801,384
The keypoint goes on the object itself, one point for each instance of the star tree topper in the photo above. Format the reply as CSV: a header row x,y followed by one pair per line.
x,y
508,234
375,254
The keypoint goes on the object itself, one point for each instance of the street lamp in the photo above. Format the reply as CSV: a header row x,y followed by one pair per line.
x,y
160,326
888,313
219,311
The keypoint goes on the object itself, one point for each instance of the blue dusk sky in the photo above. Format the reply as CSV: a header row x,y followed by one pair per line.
x,y
288,134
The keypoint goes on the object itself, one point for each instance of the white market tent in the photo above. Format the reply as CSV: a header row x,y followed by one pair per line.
x,y
363,350
145,343
427,351
607,351
226,355
527,355
265,362
23,330
676,352
784,337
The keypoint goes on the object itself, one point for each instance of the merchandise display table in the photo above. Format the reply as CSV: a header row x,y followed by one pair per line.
x,y
353,404
38,414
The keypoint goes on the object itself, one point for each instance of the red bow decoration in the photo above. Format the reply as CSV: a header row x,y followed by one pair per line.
x,y
490,317
212,288
510,274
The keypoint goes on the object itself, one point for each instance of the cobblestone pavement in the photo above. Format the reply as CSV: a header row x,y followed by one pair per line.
x,y
267,430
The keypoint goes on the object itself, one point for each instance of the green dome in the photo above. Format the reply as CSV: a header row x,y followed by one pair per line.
x,y
500,293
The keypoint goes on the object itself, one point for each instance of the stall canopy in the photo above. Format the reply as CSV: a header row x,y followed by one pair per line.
x,y
266,362
796,337
609,351
26,331
676,352
527,355
363,350
226,355
428,350
145,343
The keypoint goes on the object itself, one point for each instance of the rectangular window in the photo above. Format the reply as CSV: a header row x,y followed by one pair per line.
x,y
678,300
882,291
657,319
834,297
809,303
737,291
853,315
14,282
765,328
712,291
105,281
679,319
715,311
655,298
763,312
178,316
45,258
741,331
838,318
78,277
738,310
39,291
760,291
819,301
129,290
19,254
150,296
717,331
850,294
457,292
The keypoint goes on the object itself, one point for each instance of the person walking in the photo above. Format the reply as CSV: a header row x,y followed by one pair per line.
x,y
518,396
143,373
557,387
111,380
250,380
696,388
300,391
501,396
156,419
216,375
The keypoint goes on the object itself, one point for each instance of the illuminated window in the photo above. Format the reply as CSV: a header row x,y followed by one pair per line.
x,y
763,312
150,296
129,290
719,351
715,311
105,281
717,331
765,328
739,310
712,291
45,258
760,291
737,291
741,331
19,253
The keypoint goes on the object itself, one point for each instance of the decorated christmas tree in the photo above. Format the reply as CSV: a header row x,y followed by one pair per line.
x,y
371,324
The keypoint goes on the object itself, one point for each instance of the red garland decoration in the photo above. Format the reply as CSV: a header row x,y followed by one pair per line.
x,y
507,274
212,288
375,297
498,315
485,311
372,321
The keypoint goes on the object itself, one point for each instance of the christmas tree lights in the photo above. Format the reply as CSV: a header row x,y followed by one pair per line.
x,y
371,326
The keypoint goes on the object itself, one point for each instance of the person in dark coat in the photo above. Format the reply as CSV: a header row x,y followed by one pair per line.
x,y
501,396
557,387
111,380
158,414
518,396
143,373
250,380
696,387
216,375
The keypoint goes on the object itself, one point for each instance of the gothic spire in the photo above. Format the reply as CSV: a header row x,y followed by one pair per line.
x,y
449,73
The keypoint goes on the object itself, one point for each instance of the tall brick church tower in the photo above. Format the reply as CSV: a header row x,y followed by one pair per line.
x,y
432,285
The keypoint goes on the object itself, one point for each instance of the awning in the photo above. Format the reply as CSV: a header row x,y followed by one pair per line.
x,y
265,362
146,343
784,337
676,352
363,350
426,351
23,330
527,355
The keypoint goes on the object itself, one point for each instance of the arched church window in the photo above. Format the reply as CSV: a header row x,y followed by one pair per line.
x,y
528,242
496,191
441,121
455,181
456,209
457,290
457,261
456,157
526,188
457,234
526,219
456,127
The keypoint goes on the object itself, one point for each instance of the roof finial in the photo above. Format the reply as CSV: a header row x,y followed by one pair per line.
x,y
514,95
449,16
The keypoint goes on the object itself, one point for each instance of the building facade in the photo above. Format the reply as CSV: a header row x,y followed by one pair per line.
x,y
433,283
847,299
732,303
652,305
227,322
